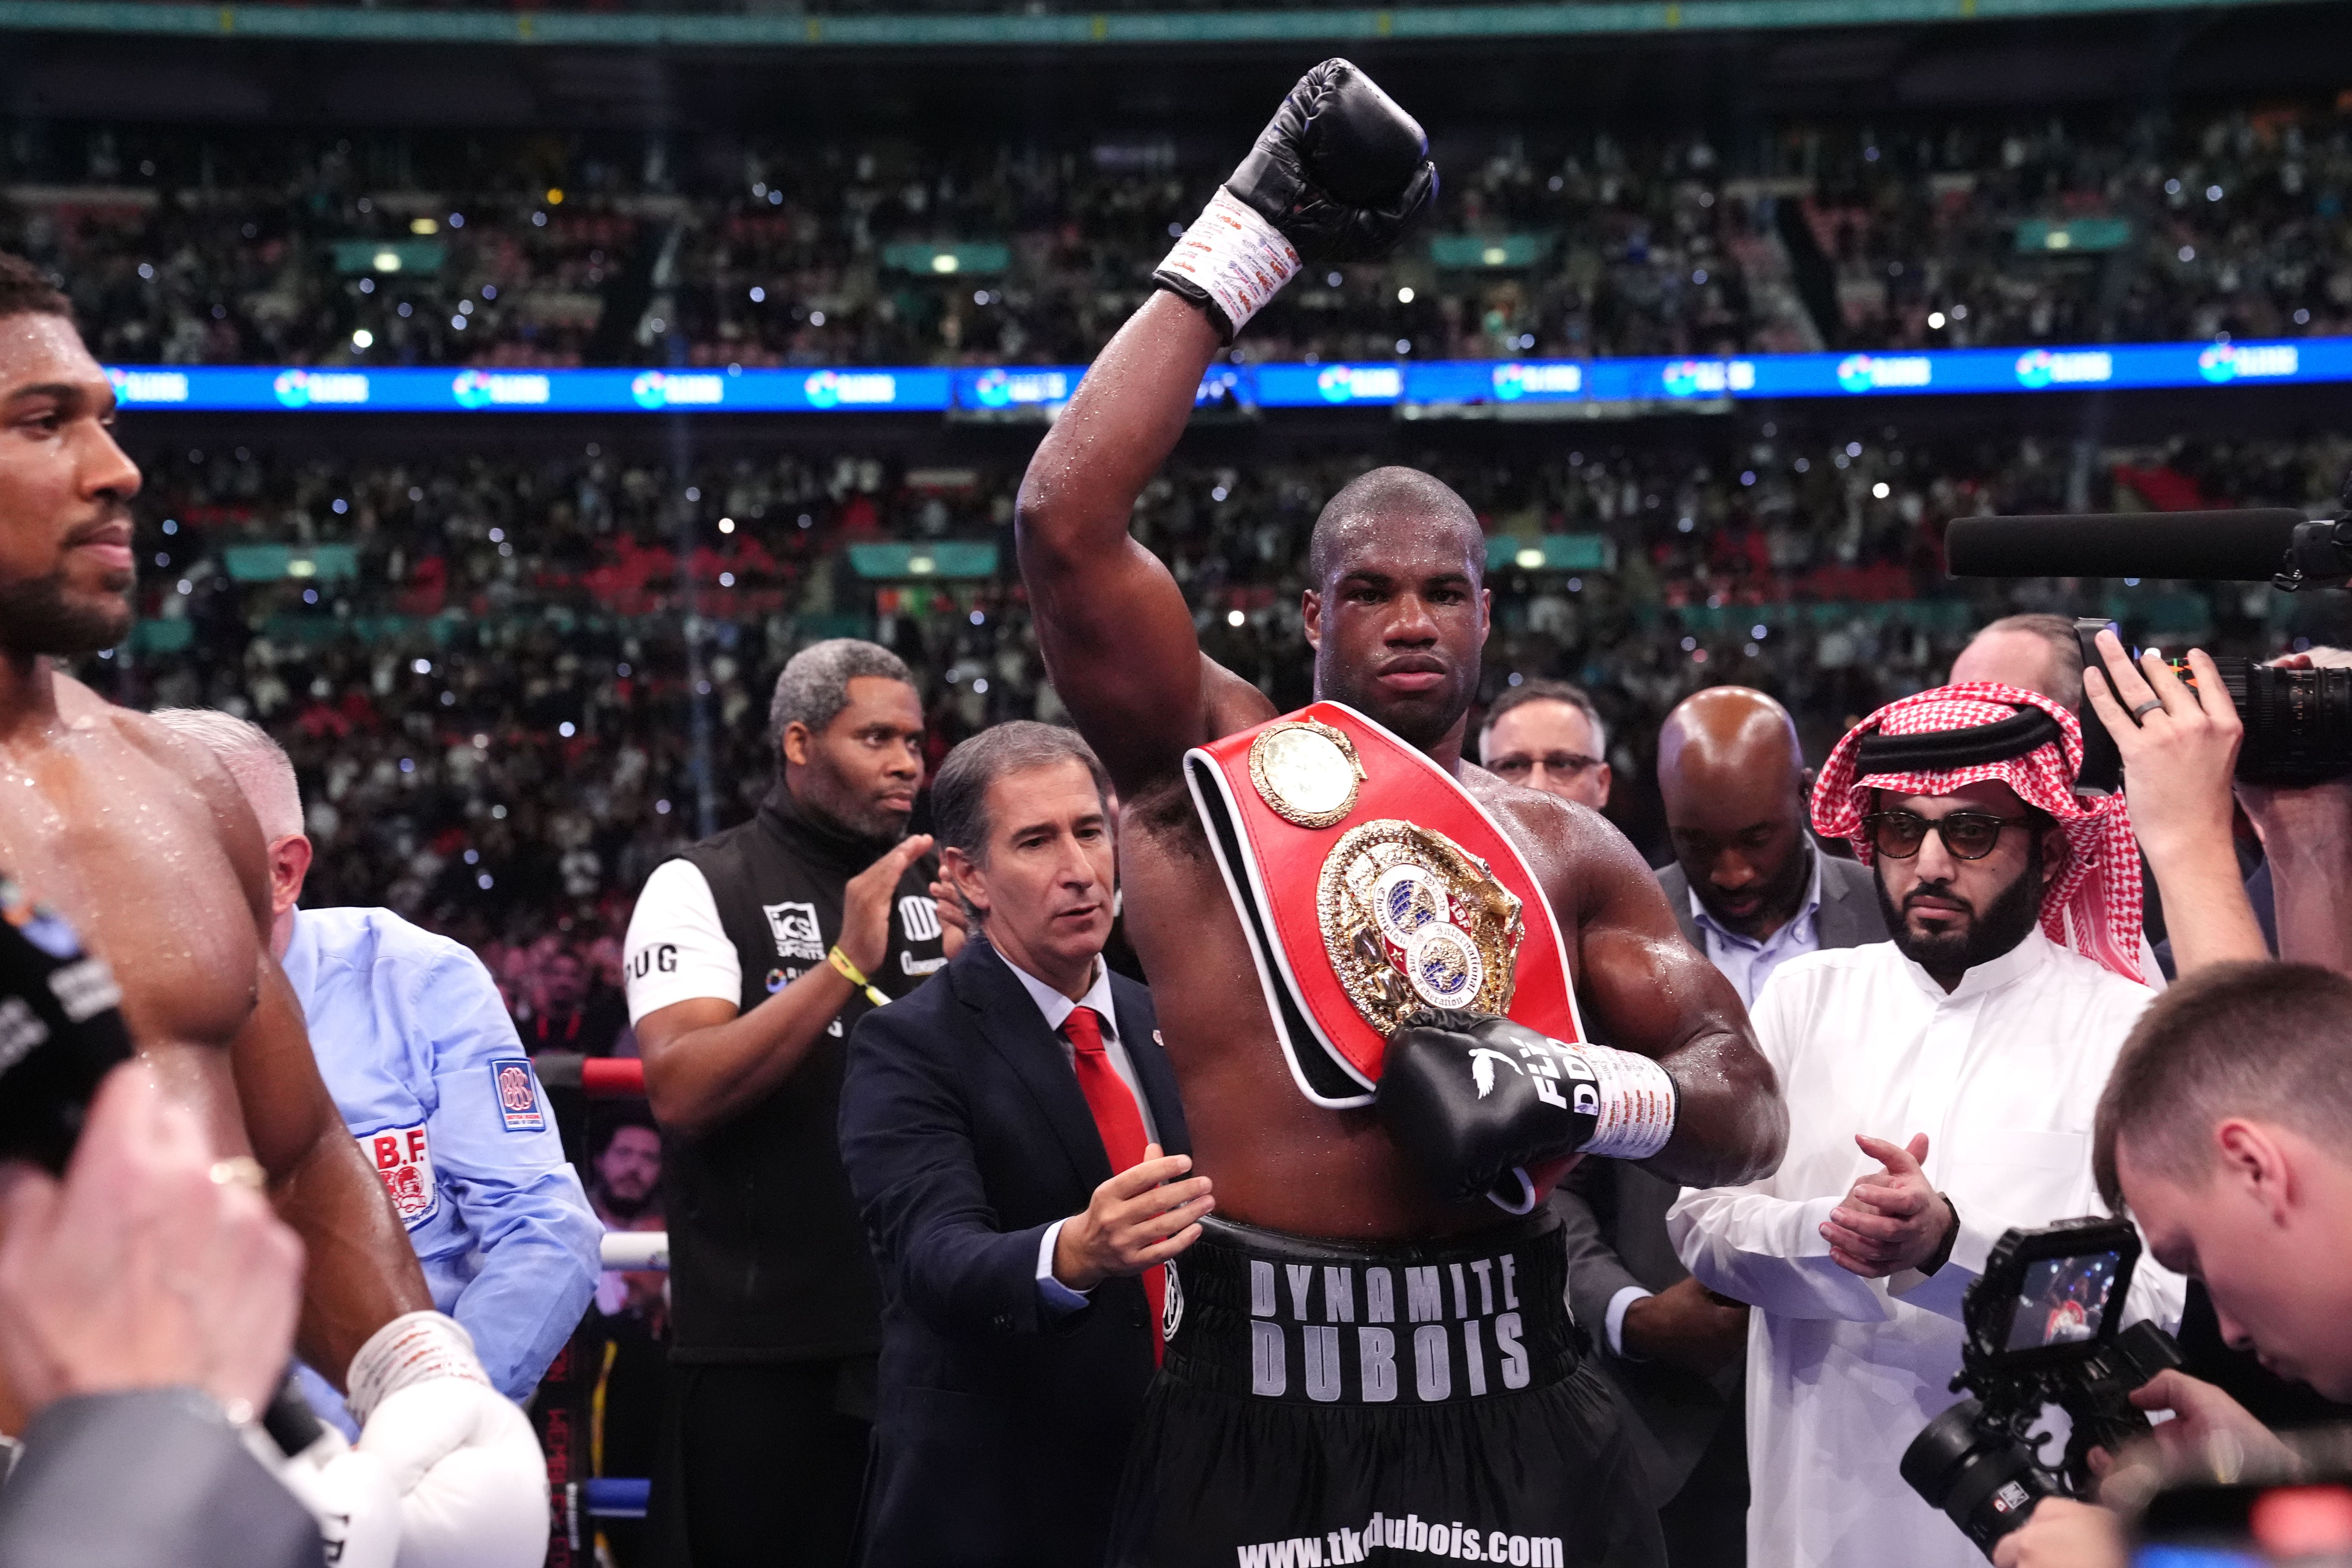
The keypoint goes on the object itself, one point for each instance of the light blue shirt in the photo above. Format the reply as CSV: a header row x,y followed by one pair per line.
x,y
1057,1008
1747,963
414,1043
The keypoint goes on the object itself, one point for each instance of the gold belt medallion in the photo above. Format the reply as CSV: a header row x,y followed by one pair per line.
x,y
1307,771
1411,921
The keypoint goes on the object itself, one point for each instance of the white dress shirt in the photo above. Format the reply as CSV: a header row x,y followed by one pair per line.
x,y
1057,1009
2003,1075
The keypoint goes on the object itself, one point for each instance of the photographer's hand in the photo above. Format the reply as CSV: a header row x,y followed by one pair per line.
x,y
2178,758
2210,1432
1892,1220
2063,1533
2307,836
151,1265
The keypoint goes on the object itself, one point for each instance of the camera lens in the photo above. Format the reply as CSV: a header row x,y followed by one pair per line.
x,y
2298,722
1987,1483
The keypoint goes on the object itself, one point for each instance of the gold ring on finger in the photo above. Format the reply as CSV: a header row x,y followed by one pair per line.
x,y
240,1171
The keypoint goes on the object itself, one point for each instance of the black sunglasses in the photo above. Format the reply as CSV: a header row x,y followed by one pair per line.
x,y
1967,835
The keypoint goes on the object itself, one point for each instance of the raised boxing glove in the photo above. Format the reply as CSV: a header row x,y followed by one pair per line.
x,y
1471,1097
1340,173
462,1457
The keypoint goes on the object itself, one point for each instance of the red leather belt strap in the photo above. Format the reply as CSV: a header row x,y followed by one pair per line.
x,y
1274,866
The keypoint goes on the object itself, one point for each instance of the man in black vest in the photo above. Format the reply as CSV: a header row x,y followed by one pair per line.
x,y
750,956
1004,1130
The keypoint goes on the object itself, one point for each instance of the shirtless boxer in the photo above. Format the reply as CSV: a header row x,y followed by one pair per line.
x,y
1289,1414
142,841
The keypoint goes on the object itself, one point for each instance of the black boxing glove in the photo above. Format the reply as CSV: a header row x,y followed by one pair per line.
x,y
1471,1097
1337,174
60,1030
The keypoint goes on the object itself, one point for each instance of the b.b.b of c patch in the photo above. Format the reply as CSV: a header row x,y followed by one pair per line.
x,y
517,1091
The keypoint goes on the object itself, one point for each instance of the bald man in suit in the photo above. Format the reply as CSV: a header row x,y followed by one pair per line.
x,y
1751,890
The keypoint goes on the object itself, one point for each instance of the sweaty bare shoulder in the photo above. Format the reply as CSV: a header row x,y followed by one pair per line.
x,y
1576,854
232,814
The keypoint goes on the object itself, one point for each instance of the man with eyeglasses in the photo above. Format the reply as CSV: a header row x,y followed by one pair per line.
x,y
1546,735
1942,1088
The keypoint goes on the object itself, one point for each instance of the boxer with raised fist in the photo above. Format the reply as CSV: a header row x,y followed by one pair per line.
x,y
143,842
1364,1353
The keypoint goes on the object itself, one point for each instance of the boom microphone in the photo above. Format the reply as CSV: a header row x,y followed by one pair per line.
x,y
2250,546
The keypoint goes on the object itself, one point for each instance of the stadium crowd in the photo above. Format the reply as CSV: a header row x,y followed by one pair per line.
x,y
718,746
502,720
399,249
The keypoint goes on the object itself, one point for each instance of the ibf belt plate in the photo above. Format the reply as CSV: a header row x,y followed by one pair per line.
x,y
1307,771
1411,921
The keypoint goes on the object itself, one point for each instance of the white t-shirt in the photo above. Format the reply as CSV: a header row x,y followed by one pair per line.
x,y
677,948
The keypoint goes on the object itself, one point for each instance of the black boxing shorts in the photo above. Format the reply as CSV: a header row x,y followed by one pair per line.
x,y
1326,1402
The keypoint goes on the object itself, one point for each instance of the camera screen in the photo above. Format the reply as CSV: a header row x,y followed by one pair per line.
x,y
2061,1300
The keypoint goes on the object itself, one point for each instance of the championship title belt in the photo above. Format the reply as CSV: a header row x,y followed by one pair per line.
x,y
1371,887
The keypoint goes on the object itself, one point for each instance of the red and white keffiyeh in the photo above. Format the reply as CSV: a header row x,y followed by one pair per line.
x,y
2094,898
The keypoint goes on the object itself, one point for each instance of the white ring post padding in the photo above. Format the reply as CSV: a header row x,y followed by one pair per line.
x,y
647,1249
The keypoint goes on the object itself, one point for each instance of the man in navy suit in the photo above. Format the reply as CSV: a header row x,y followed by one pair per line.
x,y
1003,1128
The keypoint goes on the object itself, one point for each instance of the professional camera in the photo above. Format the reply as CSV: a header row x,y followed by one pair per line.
x,y
2298,722
2041,1329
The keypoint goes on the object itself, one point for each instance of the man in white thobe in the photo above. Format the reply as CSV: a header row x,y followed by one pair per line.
x,y
1941,1089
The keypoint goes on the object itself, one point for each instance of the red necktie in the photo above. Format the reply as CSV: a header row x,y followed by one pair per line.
x,y
1120,1123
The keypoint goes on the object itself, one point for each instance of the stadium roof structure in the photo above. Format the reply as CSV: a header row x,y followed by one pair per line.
x,y
171,18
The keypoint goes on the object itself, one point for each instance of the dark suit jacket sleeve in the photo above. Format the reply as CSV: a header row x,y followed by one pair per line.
x,y
906,1139
131,1481
1595,1272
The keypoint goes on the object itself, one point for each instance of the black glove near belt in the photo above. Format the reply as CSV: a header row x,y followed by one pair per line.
x,y
1471,1097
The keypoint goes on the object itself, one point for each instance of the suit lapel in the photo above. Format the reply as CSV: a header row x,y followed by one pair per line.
x,y
1847,906
1138,1032
1677,886
1008,1019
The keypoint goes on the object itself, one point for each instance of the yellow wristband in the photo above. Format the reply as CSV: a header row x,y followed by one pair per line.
x,y
856,977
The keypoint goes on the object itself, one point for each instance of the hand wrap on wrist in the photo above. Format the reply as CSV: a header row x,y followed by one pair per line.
x,y
413,1348
1473,1096
1231,261
1637,1101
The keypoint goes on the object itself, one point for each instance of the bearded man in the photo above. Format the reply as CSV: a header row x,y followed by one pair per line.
x,y
141,840
1942,1088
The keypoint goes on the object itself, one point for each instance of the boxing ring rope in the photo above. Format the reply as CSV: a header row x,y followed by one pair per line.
x,y
623,1496
637,1250
597,1078
575,1499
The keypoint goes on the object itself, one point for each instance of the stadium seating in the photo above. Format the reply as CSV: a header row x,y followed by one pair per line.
x,y
484,668
1974,230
